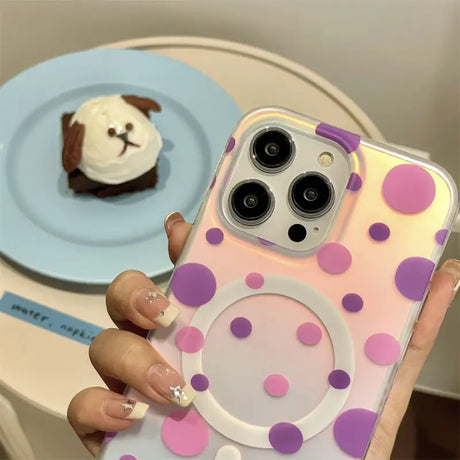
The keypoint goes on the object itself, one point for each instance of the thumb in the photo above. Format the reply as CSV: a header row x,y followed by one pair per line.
x,y
177,230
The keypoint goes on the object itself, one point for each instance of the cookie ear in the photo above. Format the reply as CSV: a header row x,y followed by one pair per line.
x,y
73,142
144,104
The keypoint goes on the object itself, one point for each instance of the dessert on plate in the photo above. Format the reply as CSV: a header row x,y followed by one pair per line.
x,y
110,146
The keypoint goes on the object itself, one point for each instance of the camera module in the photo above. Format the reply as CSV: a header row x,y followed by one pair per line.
x,y
272,150
311,195
251,202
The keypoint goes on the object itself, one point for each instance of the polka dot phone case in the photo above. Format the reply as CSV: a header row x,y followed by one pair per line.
x,y
291,328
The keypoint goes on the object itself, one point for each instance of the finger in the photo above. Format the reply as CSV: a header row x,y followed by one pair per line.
x,y
136,304
177,230
96,410
426,330
126,357
133,301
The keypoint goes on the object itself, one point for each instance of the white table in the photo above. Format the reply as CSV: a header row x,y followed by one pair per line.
x,y
45,369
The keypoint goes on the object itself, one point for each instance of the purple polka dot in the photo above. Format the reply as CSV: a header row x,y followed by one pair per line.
x,y
193,284
441,236
353,430
109,436
241,327
276,385
349,141
309,333
215,235
199,382
185,433
285,438
413,276
334,258
128,457
189,339
213,182
379,231
339,379
354,183
382,348
409,189
352,302
265,242
230,145
255,280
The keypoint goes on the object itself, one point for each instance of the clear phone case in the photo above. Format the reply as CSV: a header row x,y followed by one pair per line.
x,y
293,353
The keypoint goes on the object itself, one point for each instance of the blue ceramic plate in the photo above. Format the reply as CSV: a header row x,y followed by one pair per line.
x,y
51,230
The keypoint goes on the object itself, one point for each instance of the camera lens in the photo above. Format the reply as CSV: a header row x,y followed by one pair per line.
x,y
311,195
271,150
251,202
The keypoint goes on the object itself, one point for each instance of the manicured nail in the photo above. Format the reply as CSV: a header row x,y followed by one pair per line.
x,y
155,307
452,267
169,384
172,219
125,408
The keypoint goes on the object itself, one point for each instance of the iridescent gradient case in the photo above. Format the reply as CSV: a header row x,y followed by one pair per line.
x,y
293,354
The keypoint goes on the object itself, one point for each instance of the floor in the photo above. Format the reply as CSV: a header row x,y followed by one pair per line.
x,y
430,429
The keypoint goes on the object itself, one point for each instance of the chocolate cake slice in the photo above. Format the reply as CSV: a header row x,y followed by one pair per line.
x,y
81,184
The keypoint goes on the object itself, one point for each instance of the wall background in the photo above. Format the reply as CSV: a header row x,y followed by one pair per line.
x,y
399,60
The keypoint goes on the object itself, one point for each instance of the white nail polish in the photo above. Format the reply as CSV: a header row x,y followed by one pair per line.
x,y
170,384
167,316
182,396
452,267
138,411
456,287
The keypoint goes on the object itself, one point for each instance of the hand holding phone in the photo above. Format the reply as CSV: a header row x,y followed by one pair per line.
x,y
298,288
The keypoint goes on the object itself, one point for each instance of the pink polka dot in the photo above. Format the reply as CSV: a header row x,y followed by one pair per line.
x,y
334,258
276,385
128,457
382,349
255,280
409,189
309,333
185,433
189,339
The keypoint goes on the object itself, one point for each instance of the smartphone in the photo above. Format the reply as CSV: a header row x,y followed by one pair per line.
x,y
299,287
